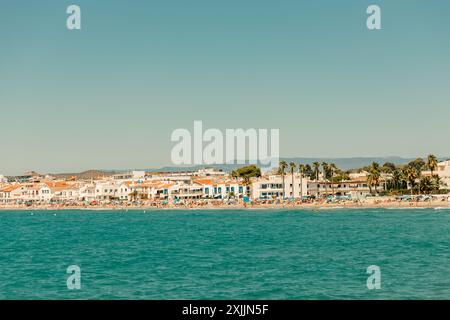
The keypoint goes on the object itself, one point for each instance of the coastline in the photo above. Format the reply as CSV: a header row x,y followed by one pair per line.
x,y
287,206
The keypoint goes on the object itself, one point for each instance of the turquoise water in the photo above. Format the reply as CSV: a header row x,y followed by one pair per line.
x,y
259,254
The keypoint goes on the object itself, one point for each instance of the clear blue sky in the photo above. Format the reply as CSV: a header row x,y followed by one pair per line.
x,y
109,96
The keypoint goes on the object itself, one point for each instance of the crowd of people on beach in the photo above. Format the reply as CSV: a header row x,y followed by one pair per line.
x,y
388,201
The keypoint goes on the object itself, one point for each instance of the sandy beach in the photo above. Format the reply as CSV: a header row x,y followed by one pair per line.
x,y
387,203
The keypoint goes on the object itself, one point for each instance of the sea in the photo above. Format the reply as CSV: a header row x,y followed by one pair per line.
x,y
225,254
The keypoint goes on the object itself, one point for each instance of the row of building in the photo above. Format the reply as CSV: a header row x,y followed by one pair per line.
x,y
138,185
177,186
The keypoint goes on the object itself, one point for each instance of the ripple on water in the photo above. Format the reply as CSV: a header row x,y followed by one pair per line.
x,y
225,254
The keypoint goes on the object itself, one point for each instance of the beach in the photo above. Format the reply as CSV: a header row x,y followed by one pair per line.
x,y
381,202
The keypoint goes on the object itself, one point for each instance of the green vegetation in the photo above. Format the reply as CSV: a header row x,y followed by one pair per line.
x,y
281,170
292,166
396,179
246,173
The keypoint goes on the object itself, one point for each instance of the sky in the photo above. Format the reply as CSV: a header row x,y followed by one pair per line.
x,y
109,96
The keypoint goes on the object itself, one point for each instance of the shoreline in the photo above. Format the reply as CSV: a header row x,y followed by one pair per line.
x,y
307,206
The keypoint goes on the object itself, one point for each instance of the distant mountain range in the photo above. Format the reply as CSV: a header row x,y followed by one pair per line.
x,y
343,163
86,175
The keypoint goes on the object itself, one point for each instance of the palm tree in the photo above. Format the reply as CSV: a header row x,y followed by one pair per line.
x,y
373,179
426,185
333,169
411,175
316,166
292,166
281,170
308,171
325,169
301,170
316,170
370,183
432,163
437,183
397,178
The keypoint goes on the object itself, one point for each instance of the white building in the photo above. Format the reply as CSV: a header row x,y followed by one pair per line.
x,y
71,193
87,192
443,172
105,190
357,187
11,194
272,187
57,191
123,190
210,172
133,175
222,189
186,191
31,192
45,193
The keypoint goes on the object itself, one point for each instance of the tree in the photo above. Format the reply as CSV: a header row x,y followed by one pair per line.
x,y
308,171
432,163
332,168
398,179
426,185
340,175
292,166
325,168
246,173
411,175
417,164
373,179
316,166
281,170
437,182
301,170
388,167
